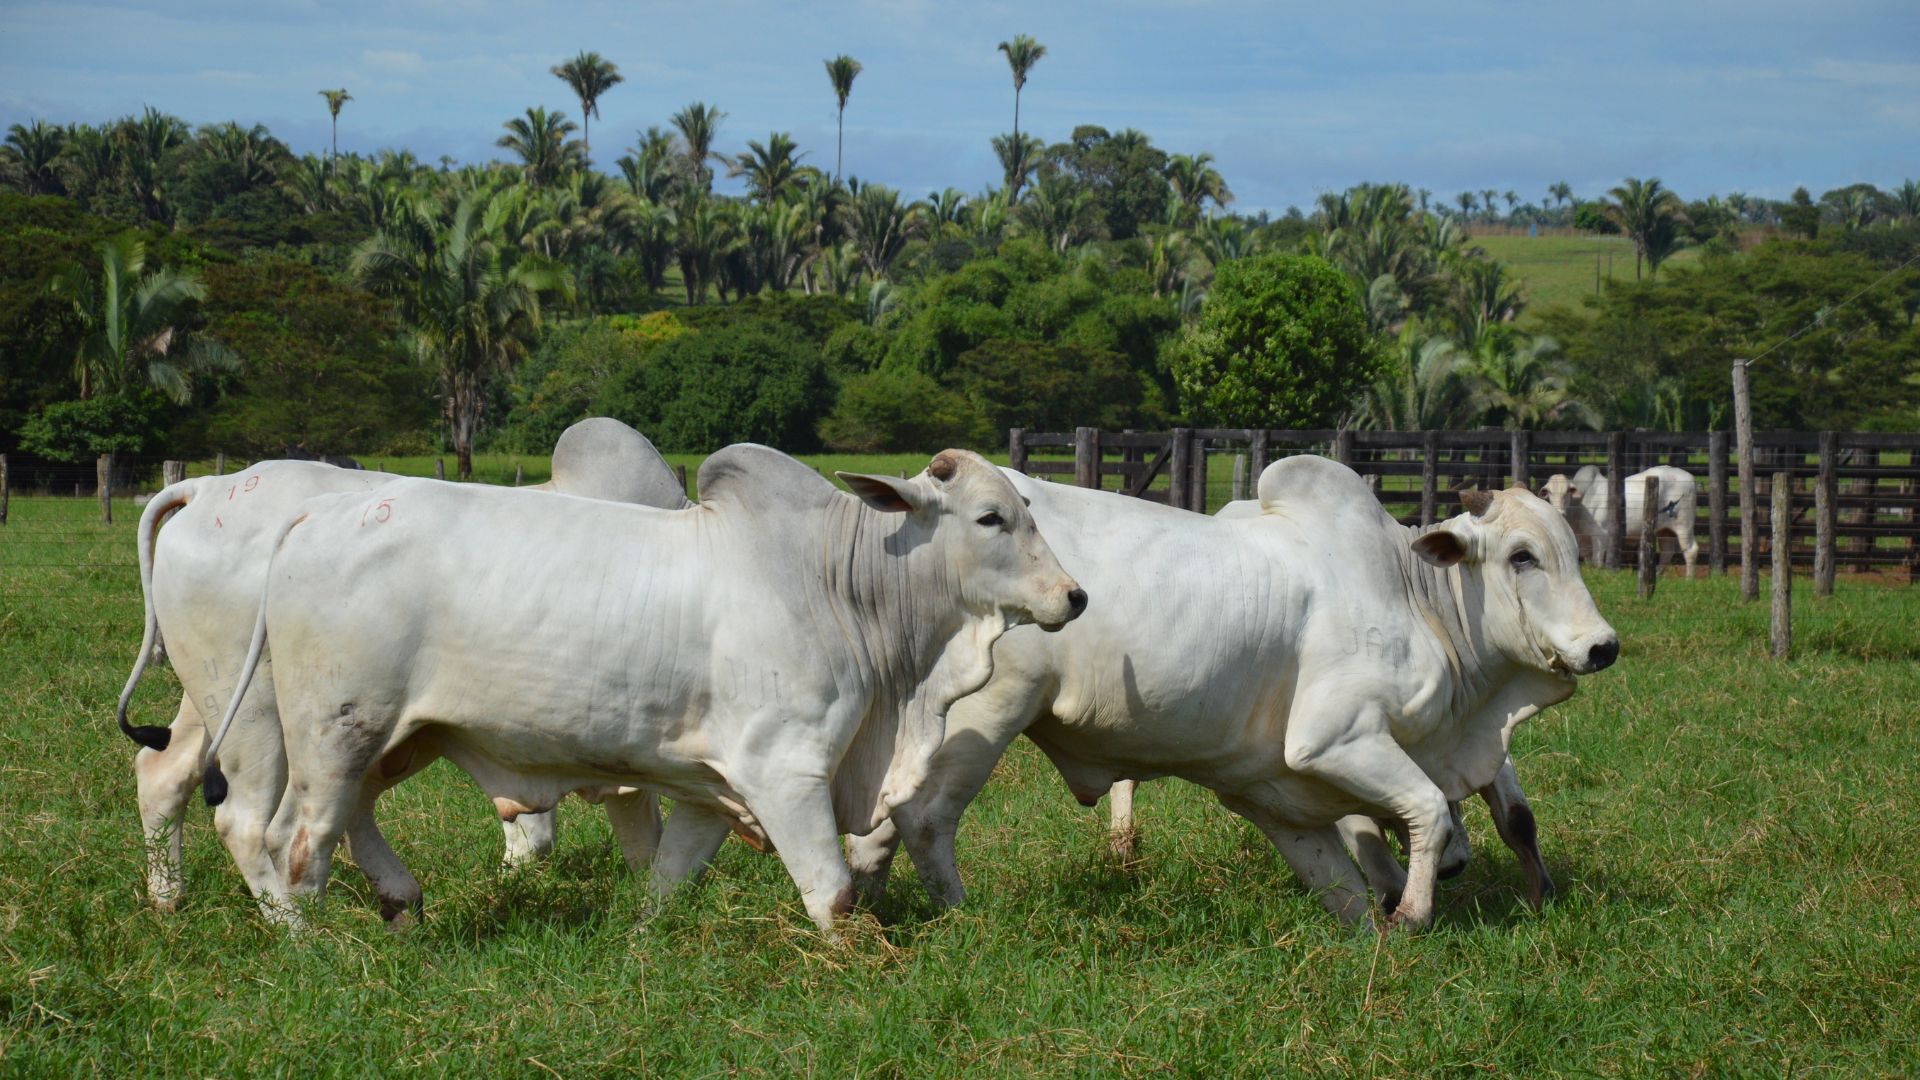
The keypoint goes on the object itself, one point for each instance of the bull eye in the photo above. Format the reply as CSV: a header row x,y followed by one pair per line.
x,y
1521,559
990,520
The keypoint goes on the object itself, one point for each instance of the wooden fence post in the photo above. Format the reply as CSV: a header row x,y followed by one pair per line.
x,y
1716,503
1197,486
1239,491
1749,505
1429,475
1259,464
220,464
1824,553
1086,457
1017,449
439,468
1649,547
6,492
1178,471
1782,566
172,472
1522,449
518,474
1617,499
680,474
103,475
1343,447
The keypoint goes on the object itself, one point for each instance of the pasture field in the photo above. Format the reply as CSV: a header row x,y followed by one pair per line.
x,y
1737,845
1559,269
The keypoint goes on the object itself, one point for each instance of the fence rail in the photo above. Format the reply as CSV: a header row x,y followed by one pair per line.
x,y
1871,480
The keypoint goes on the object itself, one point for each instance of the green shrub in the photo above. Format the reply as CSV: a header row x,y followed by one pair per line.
x,y
747,382
892,410
1281,343
80,431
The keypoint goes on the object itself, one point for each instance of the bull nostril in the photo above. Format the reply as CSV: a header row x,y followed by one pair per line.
x,y
1603,655
1078,600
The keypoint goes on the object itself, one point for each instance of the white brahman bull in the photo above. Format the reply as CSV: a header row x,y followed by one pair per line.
x,y
1312,662
1506,802
1587,502
779,658
201,577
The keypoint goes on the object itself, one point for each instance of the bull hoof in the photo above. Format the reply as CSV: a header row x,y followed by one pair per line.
x,y
1125,845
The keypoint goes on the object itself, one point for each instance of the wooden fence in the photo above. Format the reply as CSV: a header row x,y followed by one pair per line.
x,y
1872,480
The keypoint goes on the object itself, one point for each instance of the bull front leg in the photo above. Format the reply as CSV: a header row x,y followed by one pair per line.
x,y
796,812
1123,837
1357,754
1513,817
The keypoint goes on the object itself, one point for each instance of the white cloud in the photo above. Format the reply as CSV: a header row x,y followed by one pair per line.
x,y
393,61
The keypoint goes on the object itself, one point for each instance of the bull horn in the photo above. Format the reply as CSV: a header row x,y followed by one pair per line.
x,y
944,465
1476,501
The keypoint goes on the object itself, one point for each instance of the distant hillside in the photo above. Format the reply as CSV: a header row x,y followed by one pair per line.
x,y
1560,269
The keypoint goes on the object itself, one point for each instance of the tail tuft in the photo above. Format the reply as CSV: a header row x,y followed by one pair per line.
x,y
214,785
151,736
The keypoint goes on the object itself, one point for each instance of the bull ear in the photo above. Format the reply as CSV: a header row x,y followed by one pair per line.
x,y
1440,547
887,494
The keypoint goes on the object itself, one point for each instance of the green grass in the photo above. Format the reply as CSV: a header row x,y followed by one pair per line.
x,y
1560,269
1735,842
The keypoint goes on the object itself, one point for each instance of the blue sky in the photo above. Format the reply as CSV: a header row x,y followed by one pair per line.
x,y
1292,100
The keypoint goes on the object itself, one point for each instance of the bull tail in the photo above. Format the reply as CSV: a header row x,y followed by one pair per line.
x,y
214,783
175,496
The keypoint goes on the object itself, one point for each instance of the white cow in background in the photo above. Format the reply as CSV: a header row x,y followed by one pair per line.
x,y
1587,499
779,658
1312,662
201,577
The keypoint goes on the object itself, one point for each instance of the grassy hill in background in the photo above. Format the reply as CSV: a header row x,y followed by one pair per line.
x,y
1560,269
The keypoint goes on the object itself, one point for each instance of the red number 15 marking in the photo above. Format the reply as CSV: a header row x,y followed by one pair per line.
x,y
381,512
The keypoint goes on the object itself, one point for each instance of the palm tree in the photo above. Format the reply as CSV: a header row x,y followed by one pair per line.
x,y
589,76
881,225
1523,383
648,167
134,324
31,158
699,126
841,71
1650,215
1431,388
772,170
336,99
1467,202
1513,200
1560,192
948,211
1057,209
254,155
705,235
1022,53
1194,180
1487,195
473,300
1483,297
1906,202
1019,158
540,139
144,144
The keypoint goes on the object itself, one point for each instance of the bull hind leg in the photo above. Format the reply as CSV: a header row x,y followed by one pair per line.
x,y
164,780
688,842
635,818
1317,857
329,761
1513,817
